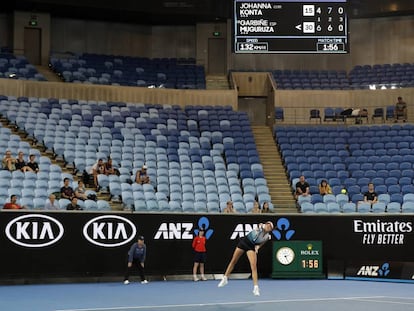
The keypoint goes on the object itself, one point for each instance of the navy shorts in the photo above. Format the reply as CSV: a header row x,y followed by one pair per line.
x,y
200,257
246,245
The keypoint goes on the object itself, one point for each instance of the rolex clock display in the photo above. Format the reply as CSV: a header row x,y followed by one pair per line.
x,y
285,255
297,259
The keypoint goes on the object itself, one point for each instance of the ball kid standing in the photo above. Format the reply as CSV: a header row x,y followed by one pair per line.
x,y
199,246
136,256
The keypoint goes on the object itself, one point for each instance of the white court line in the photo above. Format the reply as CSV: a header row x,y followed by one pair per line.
x,y
222,303
386,301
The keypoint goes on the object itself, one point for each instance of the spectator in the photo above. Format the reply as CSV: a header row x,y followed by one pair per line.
x,y
370,196
97,168
229,208
33,164
13,203
9,163
256,208
66,192
136,256
110,169
400,110
21,163
52,203
302,188
80,191
73,205
324,188
141,176
355,113
199,246
265,208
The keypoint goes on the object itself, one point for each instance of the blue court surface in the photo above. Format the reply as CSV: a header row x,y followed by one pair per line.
x,y
284,295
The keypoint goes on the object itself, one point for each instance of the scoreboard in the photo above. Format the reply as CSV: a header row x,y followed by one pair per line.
x,y
289,26
293,259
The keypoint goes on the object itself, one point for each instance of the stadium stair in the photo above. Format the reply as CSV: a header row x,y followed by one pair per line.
x,y
48,74
274,171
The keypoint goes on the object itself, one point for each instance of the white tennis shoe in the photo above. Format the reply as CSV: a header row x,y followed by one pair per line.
x,y
144,282
256,290
223,282
126,282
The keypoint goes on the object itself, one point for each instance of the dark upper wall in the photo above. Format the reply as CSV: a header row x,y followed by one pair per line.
x,y
372,41
157,12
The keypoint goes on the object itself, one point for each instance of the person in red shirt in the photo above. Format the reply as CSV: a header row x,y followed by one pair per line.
x,y
12,204
199,246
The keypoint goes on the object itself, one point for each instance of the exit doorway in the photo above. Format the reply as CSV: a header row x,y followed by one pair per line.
x,y
33,45
217,56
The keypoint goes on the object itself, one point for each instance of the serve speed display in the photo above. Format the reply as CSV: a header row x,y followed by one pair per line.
x,y
289,26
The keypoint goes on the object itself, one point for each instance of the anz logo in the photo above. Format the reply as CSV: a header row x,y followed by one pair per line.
x,y
283,230
376,271
109,231
34,231
182,230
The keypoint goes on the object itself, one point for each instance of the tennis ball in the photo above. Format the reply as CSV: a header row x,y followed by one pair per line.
x,y
343,191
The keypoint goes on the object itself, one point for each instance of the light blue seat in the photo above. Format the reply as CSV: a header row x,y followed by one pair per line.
x,y
407,207
30,175
329,198
175,206
103,180
188,207
307,207
27,203
333,207
363,207
320,207
341,199
103,205
349,207
213,207
302,199
239,206
200,207
63,203
90,205
409,197
393,207
39,202
140,205
28,193
384,197
115,188
379,207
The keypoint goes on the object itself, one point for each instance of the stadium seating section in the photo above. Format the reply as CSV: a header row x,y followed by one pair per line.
x,y
198,158
17,67
350,157
360,77
130,71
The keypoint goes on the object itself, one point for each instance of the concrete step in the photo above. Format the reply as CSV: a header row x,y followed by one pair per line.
x,y
48,74
273,169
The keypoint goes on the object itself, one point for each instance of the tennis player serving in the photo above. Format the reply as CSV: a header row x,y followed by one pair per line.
x,y
250,244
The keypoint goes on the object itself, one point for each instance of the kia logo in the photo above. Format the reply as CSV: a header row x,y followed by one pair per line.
x,y
109,231
34,230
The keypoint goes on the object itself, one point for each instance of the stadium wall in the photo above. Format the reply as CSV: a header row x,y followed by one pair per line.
x,y
40,246
372,40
